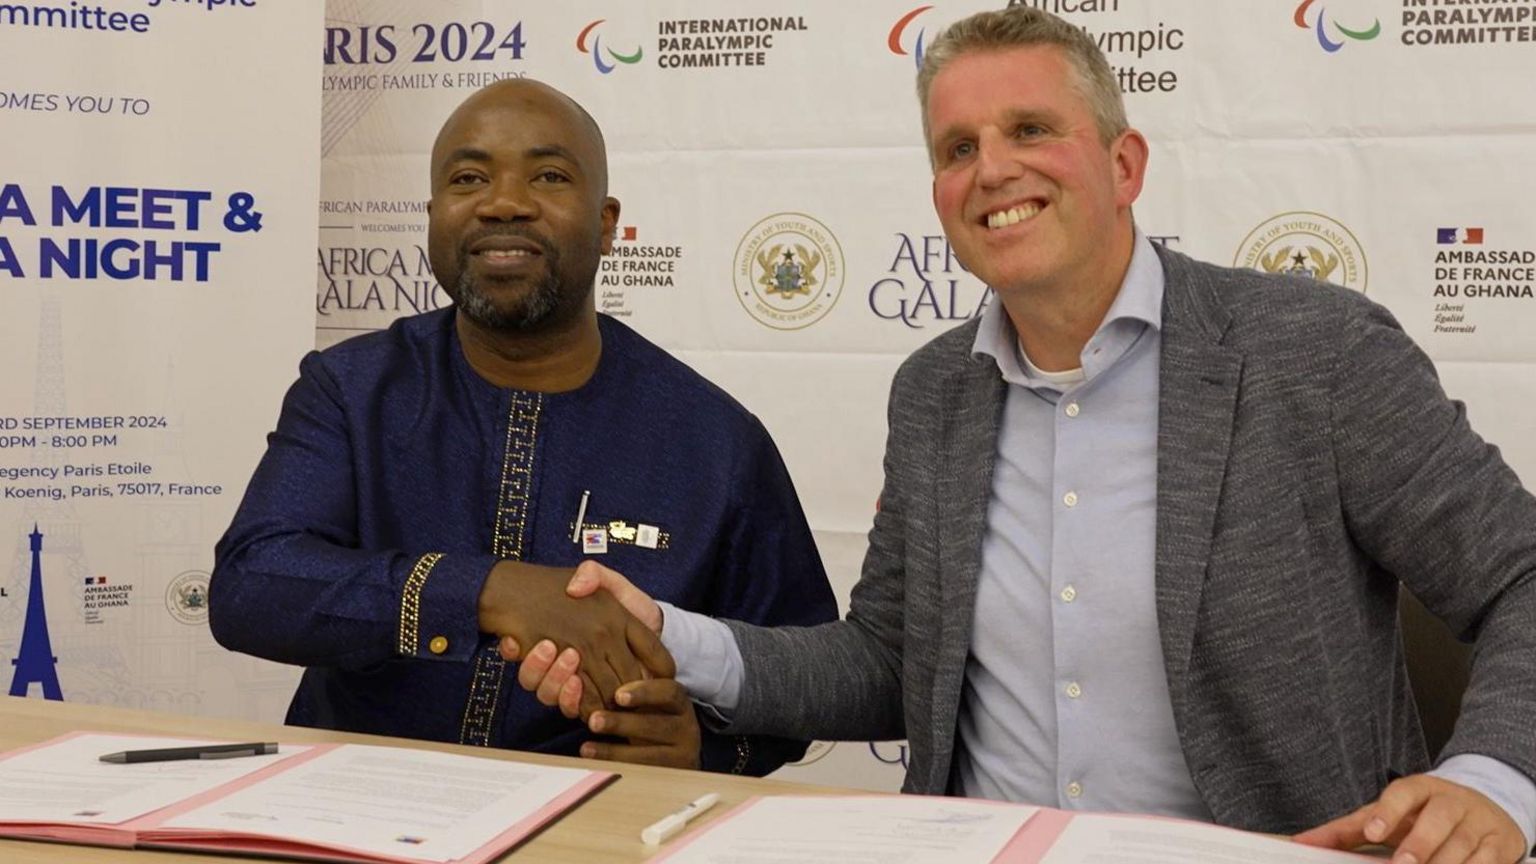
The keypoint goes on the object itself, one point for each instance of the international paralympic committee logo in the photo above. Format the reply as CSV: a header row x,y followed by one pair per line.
x,y
1303,243
897,37
187,597
1322,26
596,50
788,271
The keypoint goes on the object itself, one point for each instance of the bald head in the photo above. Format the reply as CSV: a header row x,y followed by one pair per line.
x,y
524,95
520,212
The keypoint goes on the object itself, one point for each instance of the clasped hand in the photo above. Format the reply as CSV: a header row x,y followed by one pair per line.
x,y
529,604
597,656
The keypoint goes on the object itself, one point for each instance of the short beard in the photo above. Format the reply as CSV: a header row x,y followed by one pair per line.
x,y
545,303
539,306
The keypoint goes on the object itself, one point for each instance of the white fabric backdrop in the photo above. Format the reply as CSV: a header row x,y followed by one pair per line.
x,y
735,126
1266,119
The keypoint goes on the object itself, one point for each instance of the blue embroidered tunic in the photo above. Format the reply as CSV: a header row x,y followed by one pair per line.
x,y
396,479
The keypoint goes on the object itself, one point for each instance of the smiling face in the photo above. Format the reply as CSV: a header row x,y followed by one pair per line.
x,y
519,214
1030,196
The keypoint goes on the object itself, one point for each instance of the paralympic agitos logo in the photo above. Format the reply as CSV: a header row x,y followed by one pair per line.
x,y
897,37
1324,24
596,49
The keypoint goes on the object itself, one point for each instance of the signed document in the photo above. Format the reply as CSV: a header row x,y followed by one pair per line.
x,y
886,829
908,829
69,782
329,802
387,801
1103,839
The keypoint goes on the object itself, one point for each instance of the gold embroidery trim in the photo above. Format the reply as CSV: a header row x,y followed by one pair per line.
x,y
512,507
484,696
410,603
517,475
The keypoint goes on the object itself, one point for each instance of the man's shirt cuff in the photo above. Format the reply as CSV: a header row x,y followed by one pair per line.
x,y
709,664
1505,786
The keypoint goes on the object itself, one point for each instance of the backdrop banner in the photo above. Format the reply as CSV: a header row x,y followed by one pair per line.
x,y
1368,143
777,233
156,207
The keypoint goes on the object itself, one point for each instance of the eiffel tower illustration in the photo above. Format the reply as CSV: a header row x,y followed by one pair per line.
x,y
35,662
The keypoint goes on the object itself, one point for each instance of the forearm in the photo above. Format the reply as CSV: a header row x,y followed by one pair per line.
x,y
712,669
294,597
834,681
1431,502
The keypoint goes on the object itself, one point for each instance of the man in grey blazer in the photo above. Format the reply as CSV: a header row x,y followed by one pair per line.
x,y
1143,523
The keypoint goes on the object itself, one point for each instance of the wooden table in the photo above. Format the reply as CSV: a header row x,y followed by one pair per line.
x,y
605,828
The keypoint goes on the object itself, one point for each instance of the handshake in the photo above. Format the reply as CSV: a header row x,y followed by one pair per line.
x,y
589,644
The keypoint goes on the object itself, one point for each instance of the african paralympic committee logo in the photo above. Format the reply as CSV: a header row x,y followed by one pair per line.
x,y
1324,24
895,39
595,48
1303,243
788,271
187,597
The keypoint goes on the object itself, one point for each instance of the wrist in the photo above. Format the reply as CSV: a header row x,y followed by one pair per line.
x,y
498,608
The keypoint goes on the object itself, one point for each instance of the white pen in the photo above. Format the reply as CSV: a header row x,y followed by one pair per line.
x,y
664,828
581,513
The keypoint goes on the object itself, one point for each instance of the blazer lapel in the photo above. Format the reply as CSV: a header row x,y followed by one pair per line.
x,y
963,489
1199,382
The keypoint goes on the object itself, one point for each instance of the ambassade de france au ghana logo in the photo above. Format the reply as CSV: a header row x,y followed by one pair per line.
x,y
1306,243
788,271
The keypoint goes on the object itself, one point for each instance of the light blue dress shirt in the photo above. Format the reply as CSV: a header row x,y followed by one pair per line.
x,y
1066,702
1066,698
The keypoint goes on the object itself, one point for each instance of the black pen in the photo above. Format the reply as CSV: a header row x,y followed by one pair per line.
x,y
205,751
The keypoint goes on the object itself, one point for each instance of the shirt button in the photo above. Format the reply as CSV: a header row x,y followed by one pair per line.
x,y
1068,594
1074,789
1069,499
1073,690
1073,410
438,645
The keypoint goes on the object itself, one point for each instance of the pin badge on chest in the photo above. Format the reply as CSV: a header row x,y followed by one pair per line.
x,y
594,541
647,536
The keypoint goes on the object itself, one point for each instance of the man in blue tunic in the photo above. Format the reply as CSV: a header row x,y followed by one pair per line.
x,y
430,488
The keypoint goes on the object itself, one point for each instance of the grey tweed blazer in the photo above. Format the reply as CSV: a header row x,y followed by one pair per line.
x,y
1307,461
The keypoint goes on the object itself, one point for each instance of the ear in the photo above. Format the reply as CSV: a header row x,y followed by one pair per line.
x,y
610,224
1128,158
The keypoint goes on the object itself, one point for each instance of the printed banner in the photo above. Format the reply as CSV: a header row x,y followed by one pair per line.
x,y
159,191
156,209
777,231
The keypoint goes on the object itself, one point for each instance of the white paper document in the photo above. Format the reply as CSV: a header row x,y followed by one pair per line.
x,y
1095,839
887,829
68,782
388,801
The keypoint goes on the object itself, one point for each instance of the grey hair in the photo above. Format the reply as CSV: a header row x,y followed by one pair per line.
x,y
1021,27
